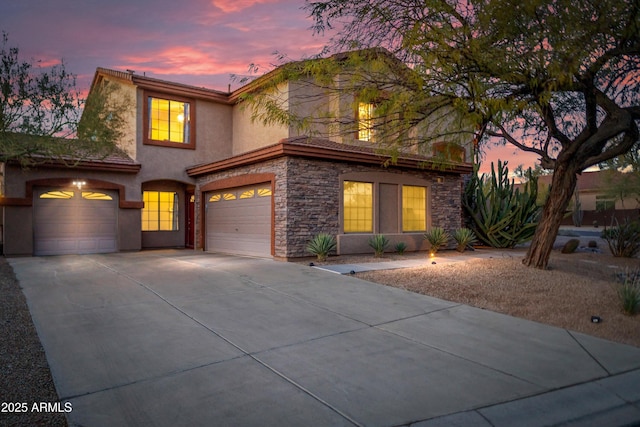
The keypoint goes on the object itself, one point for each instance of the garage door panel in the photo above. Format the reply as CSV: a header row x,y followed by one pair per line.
x,y
74,225
240,226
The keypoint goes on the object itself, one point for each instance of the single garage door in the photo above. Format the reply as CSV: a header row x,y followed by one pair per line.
x,y
72,221
239,220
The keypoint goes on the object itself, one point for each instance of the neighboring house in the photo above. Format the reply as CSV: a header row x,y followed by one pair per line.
x,y
597,201
195,171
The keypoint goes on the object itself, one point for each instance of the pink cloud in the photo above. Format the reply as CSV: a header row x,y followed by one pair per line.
x,y
232,6
509,153
180,60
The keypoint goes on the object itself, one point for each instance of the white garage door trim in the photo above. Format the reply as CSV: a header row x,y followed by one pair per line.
x,y
72,221
239,220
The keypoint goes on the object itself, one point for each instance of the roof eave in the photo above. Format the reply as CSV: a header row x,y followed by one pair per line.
x,y
297,150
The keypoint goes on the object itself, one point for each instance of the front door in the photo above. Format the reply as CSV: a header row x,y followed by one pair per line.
x,y
190,218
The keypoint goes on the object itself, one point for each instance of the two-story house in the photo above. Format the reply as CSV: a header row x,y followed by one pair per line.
x,y
195,171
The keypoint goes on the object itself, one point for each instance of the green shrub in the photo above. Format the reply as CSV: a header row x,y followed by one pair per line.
x,y
437,237
379,243
501,215
623,239
321,245
629,293
401,247
464,237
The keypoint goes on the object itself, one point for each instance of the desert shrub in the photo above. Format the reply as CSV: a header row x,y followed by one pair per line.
x,y
321,245
437,237
464,237
401,247
629,292
623,239
501,215
379,243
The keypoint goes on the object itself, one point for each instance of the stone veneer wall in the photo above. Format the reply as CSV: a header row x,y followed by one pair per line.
x,y
307,198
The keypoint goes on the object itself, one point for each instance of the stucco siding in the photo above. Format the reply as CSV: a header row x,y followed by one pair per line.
x,y
251,134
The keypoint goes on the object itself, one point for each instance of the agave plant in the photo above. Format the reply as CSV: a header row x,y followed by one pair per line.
x,y
437,237
379,243
321,245
401,247
464,237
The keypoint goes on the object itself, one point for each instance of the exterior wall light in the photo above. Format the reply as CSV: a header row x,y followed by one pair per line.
x,y
79,184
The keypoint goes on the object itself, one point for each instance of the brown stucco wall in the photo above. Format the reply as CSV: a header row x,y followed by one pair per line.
x,y
307,194
18,220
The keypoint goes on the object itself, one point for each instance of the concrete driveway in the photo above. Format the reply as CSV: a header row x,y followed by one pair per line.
x,y
170,338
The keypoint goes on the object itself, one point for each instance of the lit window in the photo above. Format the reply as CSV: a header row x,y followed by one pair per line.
x,y
215,198
57,195
160,212
365,121
169,120
414,208
92,195
264,192
228,196
247,194
358,207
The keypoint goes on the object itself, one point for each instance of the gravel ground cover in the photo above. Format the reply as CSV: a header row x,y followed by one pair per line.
x,y
576,287
24,372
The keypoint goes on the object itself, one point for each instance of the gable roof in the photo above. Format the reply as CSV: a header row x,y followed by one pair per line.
x,y
166,86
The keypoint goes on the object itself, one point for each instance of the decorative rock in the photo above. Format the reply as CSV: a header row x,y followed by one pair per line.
x,y
571,246
592,244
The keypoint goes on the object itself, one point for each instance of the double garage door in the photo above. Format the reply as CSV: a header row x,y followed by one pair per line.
x,y
239,220
72,221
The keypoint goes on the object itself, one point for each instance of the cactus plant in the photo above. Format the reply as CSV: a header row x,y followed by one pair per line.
x,y
464,237
501,215
401,247
437,237
379,243
321,245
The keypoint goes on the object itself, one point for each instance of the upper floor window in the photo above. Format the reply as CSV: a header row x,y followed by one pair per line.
x,y
169,121
366,131
449,151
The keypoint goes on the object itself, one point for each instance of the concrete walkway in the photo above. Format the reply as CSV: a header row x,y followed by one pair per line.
x,y
182,338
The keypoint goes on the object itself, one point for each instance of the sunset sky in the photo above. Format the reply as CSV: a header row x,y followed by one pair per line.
x,y
196,42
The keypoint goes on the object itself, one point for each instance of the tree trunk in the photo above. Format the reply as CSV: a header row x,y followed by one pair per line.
x,y
563,185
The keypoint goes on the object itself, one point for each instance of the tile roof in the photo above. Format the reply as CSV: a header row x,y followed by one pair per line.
x,y
320,148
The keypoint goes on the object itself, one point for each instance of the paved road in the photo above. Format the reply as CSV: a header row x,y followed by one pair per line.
x,y
171,338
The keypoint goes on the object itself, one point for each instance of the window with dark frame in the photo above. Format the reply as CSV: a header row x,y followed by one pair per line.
x,y
169,121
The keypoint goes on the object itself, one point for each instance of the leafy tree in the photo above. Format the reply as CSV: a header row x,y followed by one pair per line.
x,y
40,110
557,78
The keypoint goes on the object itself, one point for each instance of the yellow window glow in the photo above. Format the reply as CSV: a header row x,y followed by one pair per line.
x,y
414,208
264,192
365,121
229,196
247,194
358,207
92,195
215,198
57,195
160,212
168,120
